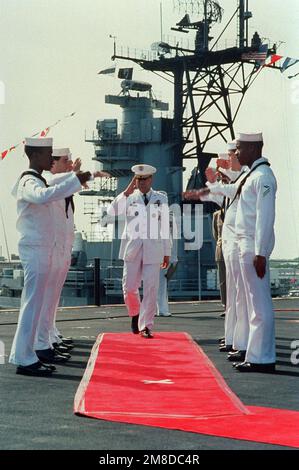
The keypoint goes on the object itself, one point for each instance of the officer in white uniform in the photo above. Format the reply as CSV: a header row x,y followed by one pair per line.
x,y
144,246
37,240
255,232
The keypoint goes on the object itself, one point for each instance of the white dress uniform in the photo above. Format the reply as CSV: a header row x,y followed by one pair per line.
x,y
37,240
236,319
255,232
47,333
66,216
230,310
142,250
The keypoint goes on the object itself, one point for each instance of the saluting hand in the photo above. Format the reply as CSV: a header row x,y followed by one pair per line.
x,y
221,163
211,175
165,263
131,187
77,164
260,263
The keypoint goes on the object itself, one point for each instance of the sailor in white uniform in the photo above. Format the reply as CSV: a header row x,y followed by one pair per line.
x,y
37,240
255,232
237,322
63,221
145,245
236,318
65,229
48,335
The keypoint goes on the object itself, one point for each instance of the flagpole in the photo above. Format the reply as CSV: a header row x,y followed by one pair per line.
x,y
247,31
161,21
114,44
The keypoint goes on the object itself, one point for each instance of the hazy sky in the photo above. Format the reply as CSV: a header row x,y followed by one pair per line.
x,y
51,51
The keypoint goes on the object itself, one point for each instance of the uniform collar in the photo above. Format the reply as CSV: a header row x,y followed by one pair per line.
x,y
148,195
14,191
258,161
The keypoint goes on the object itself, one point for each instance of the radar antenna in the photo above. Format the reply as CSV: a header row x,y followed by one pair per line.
x,y
210,8
212,13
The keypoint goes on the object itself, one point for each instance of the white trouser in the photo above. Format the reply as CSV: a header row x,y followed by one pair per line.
x,y
240,339
65,263
162,304
42,340
37,262
134,272
261,341
229,251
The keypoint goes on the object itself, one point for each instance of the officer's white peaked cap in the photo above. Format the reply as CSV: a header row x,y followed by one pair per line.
x,y
143,170
257,137
39,141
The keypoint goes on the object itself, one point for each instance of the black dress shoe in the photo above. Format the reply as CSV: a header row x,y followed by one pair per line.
x,y
62,348
66,340
238,356
50,356
134,325
38,369
226,348
146,333
50,366
70,346
251,367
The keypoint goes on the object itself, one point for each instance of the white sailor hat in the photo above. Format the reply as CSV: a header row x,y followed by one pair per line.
x,y
143,170
223,156
39,141
62,152
253,137
232,145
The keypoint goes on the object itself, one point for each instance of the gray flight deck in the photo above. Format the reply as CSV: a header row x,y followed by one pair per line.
x,y
37,413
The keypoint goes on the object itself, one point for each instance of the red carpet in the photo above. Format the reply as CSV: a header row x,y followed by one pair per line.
x,y
169,382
